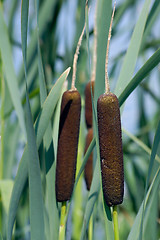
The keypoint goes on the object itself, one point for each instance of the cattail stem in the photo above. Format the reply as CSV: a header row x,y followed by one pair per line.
x,y
115,223
107,52
62,222
76,58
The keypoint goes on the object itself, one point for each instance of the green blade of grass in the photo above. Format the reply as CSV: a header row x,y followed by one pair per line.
x,y
40,126
11,135
10,73
45,14
140,75
36,205
153,155
52,225
151,19
130,59
133,235
5,192
137,229
151,216
140,143
104,9
35,185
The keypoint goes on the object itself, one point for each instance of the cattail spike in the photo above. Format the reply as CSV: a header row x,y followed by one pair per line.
x,y
88,171
110,142
67,144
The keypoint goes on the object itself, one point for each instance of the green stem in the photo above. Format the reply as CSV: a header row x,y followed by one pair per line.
x,y
115,223
90,230
62,222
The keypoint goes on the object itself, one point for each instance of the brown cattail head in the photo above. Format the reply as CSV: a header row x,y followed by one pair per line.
x,y
111,155
88,171
67,144
88,103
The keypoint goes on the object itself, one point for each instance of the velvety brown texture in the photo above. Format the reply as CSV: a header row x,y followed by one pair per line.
x,y
88,104
67,144
110,141
88,171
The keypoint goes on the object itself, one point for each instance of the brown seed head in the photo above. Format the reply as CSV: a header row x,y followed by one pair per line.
x,y
111,155
67,144
88,103
88,171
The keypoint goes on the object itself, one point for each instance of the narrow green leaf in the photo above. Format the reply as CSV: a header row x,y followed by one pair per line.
x,y
6,55
136,230
5,192
46,12
153,154
24,28
36,205
151,19
132,51
11,136
133,235
41,126
140,75
104,8
35,185
140,143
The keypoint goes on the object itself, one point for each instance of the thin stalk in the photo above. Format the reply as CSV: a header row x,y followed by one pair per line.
x,y
76,58
107,52
62,222
93,76
90,229
115,223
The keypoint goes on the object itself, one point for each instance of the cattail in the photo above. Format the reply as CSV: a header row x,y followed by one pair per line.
x,y
88,171
88,103
68,137
67,144
110,142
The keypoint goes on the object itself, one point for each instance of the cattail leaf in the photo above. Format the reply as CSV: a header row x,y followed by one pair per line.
x,y
140,75
35,185
5,192
11,135
36,205
52,224
41,126
45,13
9,71
134,233
130,59
137,229
104,9
151,19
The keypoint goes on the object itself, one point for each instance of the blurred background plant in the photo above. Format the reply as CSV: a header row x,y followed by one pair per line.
x,y
51,44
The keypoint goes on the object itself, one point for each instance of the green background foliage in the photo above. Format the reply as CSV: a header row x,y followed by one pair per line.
x,y
37,45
